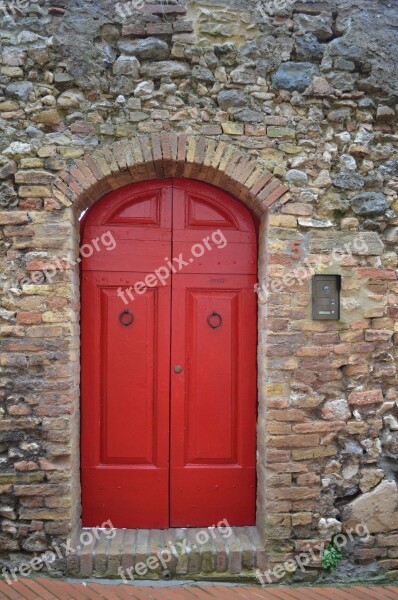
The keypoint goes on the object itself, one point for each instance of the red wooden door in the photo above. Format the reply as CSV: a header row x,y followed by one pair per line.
x,y
169,401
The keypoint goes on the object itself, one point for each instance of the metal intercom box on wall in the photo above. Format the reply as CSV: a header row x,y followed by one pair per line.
x,y
326,297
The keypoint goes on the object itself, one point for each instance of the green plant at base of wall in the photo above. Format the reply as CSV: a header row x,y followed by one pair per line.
x,y
331,556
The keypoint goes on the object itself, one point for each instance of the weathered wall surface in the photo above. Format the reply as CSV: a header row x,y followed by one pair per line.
x,y
309,89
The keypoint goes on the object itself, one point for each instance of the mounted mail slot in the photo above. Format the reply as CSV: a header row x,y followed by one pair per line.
x,y
326,297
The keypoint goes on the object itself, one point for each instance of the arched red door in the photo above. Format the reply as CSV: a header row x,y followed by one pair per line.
x,y
169,358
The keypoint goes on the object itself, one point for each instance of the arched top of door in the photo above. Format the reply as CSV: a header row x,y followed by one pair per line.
x,y
168,155
141,204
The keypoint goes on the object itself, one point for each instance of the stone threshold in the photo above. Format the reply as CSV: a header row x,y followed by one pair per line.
x,y
185,552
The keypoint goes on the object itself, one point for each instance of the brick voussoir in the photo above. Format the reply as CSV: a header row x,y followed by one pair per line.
x,y
258,173
80,178
65,175
218,153
93,166
101,162
60,196
129,155
268,189
166,146
182,147
258,184
226,157
66,190
200,150
173,141
120,152
156,147
75,185
166,153
146,150
137,156
109,156
209,154
190,157
273,196
86,172
191,150
232,164
245,168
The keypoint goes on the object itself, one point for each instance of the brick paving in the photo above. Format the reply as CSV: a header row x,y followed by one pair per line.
x,y
47,589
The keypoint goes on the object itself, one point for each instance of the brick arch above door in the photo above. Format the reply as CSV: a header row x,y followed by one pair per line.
x,y
168,155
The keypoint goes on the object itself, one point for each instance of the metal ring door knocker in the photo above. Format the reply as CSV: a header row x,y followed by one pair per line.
x,y
126,318
214,320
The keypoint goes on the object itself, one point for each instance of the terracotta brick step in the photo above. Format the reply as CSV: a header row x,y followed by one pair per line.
x,y
46,589
184,552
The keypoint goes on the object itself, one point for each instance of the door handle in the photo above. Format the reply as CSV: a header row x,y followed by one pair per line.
x,y
178,369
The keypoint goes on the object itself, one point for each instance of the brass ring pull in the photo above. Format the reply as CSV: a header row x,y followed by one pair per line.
x,y
126,318
214,320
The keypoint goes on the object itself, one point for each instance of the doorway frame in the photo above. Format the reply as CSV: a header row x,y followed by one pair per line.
x,y
160,156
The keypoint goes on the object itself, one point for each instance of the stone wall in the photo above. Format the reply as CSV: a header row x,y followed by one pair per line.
x,y
302,91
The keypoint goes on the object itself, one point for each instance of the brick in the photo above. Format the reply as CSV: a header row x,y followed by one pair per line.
x,y
211,129
283,221
232,128
312,453
288,467
278,194
278,428
34,191
41,490
388,540
33,176
319,426
375,273
308,479
365,398
303,518
292,493
389,564
27,318
45,514
293,441
13,218
290,414
279,479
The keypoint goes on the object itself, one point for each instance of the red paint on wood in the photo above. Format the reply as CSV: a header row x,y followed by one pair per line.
x,y
161,448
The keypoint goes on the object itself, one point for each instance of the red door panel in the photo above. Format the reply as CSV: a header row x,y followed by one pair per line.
x,y
125,368
213,401
204,216
155,456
